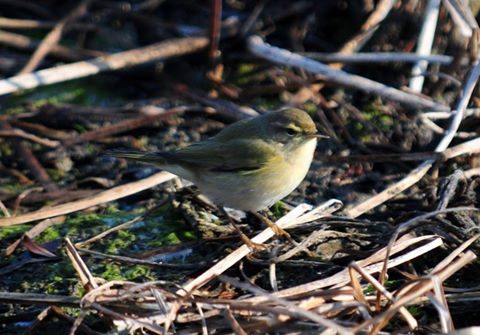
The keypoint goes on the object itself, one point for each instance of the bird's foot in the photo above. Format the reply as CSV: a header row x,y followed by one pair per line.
x,y
246,240
253,246
276,229
256,247
280,231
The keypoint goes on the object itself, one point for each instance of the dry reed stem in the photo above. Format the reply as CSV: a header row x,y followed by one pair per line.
x,y
378,57
54,36
154,52
439,301
462,16
97,199
30,137
4,210
284,57
111,230
292,218
39,298
233,322
9,23
424,44
86,277
444,263
368,27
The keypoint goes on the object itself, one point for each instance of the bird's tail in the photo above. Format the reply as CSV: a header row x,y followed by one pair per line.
x,y
140,156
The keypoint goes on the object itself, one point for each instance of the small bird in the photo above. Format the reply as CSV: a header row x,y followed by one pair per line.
x,y
250,164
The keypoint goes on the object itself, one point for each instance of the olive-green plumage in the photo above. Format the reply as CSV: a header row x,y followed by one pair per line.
x,y
250,164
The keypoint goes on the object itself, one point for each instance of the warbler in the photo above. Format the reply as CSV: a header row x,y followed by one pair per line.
x,y
248,165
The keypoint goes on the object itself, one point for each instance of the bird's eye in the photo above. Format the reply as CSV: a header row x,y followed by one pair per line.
x,y
291,132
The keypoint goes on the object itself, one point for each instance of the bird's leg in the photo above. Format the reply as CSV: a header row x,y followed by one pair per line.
x,y
276,229
252,245
280,231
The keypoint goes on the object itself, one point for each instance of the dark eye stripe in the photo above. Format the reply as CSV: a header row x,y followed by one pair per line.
x,y
291,131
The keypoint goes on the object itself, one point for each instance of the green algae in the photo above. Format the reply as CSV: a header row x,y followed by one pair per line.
x,y
374,114
57,276
84,92
10,232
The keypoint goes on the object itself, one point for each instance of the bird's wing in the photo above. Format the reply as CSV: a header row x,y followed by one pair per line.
x,y
230,156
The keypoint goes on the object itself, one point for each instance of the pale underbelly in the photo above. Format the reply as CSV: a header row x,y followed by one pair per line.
x,y
251,192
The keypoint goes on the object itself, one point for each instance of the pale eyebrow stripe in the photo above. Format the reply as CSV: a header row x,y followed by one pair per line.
x,y
294,127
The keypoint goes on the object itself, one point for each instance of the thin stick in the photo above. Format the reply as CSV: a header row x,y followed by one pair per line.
x,y
284,57
462,16
467,148
30,137
458,113
97,199
22,42
406,226
443,115
240,252
411,179
204,322
37,298
4,210
86,277
215,28
130,260
122,126
233,322
472,172
368,27
9,23
440,302
111,230
377,57
370,158
154,52
447,260
424,44
53,37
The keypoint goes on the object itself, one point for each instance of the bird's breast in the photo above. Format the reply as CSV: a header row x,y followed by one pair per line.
x,y
297,164
282,176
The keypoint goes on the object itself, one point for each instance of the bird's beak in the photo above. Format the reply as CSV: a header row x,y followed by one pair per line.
x,y
317,135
